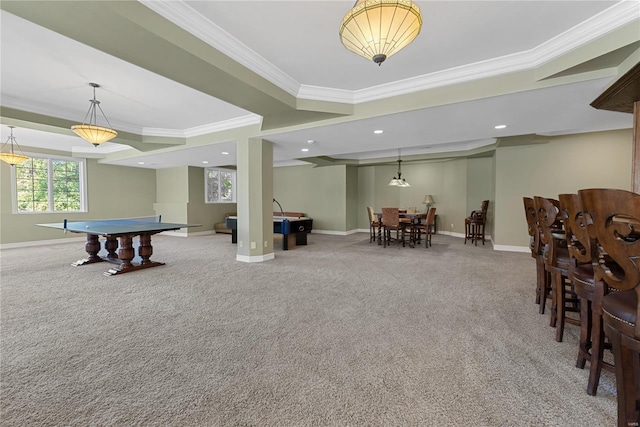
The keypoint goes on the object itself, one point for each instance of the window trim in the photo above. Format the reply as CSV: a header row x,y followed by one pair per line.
x,y
234,185
82,171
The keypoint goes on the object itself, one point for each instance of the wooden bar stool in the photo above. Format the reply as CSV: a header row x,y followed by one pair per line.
x,y
615,216
475,223
543,281
558,263
591,291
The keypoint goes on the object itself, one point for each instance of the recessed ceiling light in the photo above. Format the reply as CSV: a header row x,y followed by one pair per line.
x,y
501,126
225,152
379,131
305,149
141,163
205,162
310,141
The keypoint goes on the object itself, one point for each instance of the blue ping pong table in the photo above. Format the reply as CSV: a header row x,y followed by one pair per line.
x,y
119,234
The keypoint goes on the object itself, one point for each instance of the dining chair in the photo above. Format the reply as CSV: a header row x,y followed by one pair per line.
x,y
373,224
590,291
615,218
557,263
427,227
391,222
543,281
474,224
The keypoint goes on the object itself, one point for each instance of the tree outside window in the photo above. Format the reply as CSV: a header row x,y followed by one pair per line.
x,y
49,185
220,186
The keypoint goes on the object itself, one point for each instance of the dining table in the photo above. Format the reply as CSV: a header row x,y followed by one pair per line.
x,y
410,218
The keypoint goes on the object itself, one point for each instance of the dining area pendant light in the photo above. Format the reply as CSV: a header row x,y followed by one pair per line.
x,y
89,129
377,29
10,155
399,181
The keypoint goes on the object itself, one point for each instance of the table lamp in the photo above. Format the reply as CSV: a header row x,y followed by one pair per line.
x,y
428,200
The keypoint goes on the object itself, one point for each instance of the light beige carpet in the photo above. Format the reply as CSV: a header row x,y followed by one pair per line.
x,y
340,332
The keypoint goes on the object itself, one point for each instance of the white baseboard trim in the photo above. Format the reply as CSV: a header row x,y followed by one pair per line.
x,y
259,258
508,248
62,240
504,248
203,233
452,234
42,242
338,233
180,233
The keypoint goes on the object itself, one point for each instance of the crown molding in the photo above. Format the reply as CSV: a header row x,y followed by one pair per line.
x,y
616,16
180,13
236,122
192,21
608,20
455,146
101,150
195,23
319,93
59,112
161,132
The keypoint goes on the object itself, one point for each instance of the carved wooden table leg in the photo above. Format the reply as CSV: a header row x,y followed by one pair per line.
x,y
111,245
145,250
126,252
92,247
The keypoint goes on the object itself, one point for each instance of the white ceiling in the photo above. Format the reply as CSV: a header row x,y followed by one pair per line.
x,y
302,36
295,44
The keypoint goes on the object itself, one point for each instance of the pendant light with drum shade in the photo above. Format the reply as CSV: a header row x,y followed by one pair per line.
x,y
89,129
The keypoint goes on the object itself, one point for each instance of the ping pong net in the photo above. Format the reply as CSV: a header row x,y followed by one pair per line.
x,y
132,220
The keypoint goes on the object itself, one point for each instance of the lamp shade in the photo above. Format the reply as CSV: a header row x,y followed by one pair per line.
x,y
11,156
94,134
428,200
13,159
376,29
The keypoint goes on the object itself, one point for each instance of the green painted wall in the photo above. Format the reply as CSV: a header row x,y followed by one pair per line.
x,y
200,212
172,194
479,173
447,181
336,197
180,198
319,192
565,165
491,221
113,192
352,199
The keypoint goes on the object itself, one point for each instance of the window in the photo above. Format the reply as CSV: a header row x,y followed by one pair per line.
x,y
219,186
49,185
